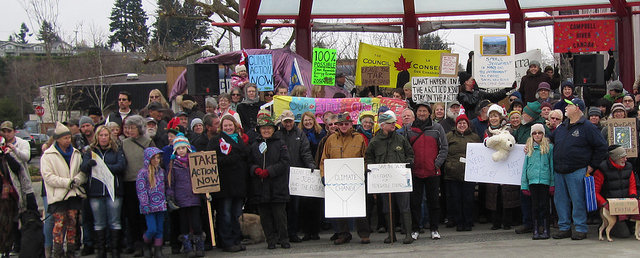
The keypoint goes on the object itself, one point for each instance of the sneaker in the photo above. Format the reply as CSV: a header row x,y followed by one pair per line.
x,y
365,240
435,235
562,234
415,235
578,235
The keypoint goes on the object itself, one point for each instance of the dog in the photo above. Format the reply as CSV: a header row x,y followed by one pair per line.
x,y
251,229
608,221
32,236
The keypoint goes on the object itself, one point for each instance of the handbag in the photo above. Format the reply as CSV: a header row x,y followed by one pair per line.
x,y
590,193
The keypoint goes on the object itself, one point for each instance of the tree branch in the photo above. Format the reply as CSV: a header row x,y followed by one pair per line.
x,y
163,57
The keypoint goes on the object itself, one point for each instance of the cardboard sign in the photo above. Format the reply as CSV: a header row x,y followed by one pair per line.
x,y
344,195
375,75
304,183
434,89
479,166
493,63
623,132
623,206
584,36
448,65
324,67
389,178
203,166
261,71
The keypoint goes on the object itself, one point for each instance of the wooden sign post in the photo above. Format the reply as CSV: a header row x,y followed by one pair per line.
x,y
203,166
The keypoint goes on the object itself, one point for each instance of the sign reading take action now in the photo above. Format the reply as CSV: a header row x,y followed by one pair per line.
x,y
203,166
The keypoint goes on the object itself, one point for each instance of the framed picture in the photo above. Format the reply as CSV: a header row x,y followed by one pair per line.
x,y
495,45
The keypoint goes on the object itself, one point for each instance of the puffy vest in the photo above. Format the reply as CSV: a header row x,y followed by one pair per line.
x,y
616,181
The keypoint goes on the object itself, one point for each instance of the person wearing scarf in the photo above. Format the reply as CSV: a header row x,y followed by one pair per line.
x,y
249,107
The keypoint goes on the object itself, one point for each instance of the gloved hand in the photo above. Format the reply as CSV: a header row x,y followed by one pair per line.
x,y
258,172
31,202
514,85
312,171
171,203
569,54
526,192
72,184
606,205
471,54
552,190
634,196
265,173
208,197
322,180
409,165
367,170
92,163
610,52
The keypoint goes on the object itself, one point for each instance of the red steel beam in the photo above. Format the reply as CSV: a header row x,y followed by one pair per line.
x,y
303,30
410,25
249,26
517,25
625,43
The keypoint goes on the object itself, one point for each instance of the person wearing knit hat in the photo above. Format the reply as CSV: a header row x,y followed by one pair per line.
x,y
618,111
531,112
408,94
60,131
530,83
615,89
264,118
240,78
515,95
86,133
181,141
95,114
197,126
514,120
387,117
545,108
594,111
543,92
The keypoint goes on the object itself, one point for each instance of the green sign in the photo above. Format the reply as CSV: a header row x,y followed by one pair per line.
x,y
324,67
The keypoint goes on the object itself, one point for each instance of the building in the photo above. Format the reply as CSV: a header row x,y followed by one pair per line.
x,y
12,48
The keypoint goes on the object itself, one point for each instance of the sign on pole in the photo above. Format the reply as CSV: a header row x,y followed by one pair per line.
x,y
203,166
493,61
448,65
344,195
481,168
434,89
261,71
40,111
302,182
623,132
375,75
389,178
324,67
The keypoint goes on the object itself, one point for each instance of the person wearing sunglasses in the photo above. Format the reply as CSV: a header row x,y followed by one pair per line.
x,y
124,109
236,98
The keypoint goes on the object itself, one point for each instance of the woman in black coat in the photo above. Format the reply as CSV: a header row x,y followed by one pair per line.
x,y
249,107
270,181
232,153
470,96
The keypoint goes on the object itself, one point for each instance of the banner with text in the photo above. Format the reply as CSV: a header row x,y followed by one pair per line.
x,y
403,63
434,89
493,61
324,67
344,194
319,106
481,168
261,71
303,182
389,178
523,60
584,36
203,166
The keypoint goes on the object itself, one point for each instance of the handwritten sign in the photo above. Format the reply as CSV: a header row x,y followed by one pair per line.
x,y
448,65
261,71
584,36
479,166
521,62
324,67
375,75
623,132
389,178
494,66
344,195
102,173
203,166
623,206
434,89
304,183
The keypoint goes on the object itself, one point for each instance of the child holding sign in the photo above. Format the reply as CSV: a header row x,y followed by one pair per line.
x,y
179,189
151,193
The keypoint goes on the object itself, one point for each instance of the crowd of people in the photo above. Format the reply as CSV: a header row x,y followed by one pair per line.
x,y
152,201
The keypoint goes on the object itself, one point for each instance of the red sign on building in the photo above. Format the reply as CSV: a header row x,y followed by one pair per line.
x,y
584,36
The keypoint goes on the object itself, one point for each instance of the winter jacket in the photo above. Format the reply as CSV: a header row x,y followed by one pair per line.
x,y
248,113
57,175
524,131
238,82
614,181
454,169
537,168
471,99
116,117
233,169
340,146
431,148
20,178
314,140
479,127
448,124
529,85
152,199
577,146
391,148
179,185
274,188
134,153
297,146
115,161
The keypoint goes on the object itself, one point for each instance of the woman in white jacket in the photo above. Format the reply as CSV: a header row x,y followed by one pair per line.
x,y
60,168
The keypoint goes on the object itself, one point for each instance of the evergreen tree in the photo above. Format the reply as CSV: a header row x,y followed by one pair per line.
x,y
433,42
128,25
173,29
48,35
21,37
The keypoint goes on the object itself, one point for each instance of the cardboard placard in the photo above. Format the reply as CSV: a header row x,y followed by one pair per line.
x,y
324,67
375,75
203,166
623,206
493,61
261,71
479,166
389,178
448,65
623,132
344,195
434,89
304,183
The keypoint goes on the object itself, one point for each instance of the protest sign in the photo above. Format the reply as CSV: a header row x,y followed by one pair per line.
x,y
584,36
203,166
375,75
403,63
434,89
101,172
389,178
304,183
623,206
479,166
261,71
522,61
493,63
448,65
344,195
324,67
623,132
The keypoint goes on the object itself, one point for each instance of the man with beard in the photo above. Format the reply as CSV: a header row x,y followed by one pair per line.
x,y
85,137
156,111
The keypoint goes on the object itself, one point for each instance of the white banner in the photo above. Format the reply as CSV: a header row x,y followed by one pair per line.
x,y
304,183
101,172
344,194
493,61
481,168
523,60
434,89
389,178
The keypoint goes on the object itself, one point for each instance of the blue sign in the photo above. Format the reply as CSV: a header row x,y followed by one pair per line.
x,y
261,71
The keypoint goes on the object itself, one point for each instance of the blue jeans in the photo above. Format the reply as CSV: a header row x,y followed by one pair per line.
x,y
228,211
106,213
570,192
155,225
48,225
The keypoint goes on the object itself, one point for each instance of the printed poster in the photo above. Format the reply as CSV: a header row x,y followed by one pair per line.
x,y
345,195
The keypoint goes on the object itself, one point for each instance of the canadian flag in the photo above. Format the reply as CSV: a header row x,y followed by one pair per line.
x,y
243,58
225,147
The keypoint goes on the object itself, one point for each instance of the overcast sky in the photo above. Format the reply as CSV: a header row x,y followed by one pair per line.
x,y
89,18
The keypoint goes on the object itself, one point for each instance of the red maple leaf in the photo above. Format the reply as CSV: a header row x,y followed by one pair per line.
x,y
401,65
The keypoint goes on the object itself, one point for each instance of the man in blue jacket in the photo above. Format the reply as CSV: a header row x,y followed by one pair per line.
x,y
578,149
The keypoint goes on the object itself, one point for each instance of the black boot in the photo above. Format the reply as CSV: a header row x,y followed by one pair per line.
x,y
99,244
545,231
406,224
146,248
138,246
157,248
536,230
115,243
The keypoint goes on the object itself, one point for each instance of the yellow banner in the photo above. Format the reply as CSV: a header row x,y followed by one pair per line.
x,y
403,63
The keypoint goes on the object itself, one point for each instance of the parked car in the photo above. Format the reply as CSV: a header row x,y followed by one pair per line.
x,y
35,148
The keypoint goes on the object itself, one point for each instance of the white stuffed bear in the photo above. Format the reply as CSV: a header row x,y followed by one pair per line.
x,y
502,142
